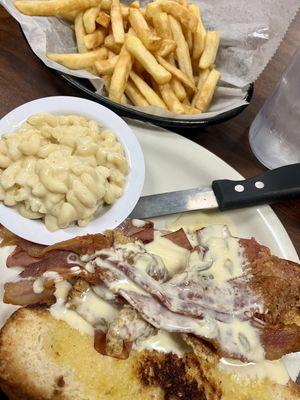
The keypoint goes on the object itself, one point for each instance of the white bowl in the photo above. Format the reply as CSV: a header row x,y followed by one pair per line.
x,y
35,230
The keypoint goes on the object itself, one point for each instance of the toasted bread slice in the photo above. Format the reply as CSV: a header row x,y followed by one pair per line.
x,y
43,358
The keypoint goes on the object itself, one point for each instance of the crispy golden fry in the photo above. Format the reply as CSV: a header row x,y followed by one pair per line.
x,y
150,95
190,110
106,80
167,47
80,33
135,95
70,16
203,75
124,99
124,11
53,7
177,73
181,13
89,19
117,22
188,35
199,35
151,10
139,51
109,43
209,54
162,25
178,89
106,5
182,50
106,67
120,75
138,68
135,4
78,61
170,99
95,39
183,3
205,97
111,54
140,26
103,19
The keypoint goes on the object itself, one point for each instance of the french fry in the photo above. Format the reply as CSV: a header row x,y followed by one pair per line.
x,y
53,7
89,19
106,5
188,34
199,35
106,67
139,51
124,11
78,61
209,54
190,110
109,43
183,3
135,95
134,4
120,75
182,50
178,89
149,94
181,76
170,99
80,33
167,47
137,21
117,22
106,80
95,39
151,10
203,75
111,54
138,68
181,13
103,19
162,25
206,94
70,16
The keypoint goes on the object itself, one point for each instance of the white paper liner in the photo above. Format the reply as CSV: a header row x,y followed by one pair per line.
x,y
250,31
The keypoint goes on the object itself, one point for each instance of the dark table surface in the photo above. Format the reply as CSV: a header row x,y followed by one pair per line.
x,y
23,78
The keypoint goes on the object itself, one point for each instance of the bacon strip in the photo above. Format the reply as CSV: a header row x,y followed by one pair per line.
x,y
144,233
19,258
179,238
21,293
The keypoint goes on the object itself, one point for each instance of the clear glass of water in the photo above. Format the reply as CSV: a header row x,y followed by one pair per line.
x,y
275,132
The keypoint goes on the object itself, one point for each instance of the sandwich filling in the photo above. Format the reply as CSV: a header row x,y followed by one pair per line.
x,y
139,288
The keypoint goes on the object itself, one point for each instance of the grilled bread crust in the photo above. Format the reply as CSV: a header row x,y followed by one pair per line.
x,y
42,358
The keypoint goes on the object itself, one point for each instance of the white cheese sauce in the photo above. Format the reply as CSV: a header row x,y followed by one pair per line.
x,y
165,342
275,371
174,257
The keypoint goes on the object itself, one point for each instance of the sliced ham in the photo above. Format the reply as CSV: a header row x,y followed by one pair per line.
x,y
143,231
21,293
179,238
19,258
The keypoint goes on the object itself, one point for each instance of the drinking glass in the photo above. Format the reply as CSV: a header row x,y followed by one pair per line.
x,y
275,132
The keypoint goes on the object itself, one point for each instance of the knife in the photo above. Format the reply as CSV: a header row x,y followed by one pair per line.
x,y
278,184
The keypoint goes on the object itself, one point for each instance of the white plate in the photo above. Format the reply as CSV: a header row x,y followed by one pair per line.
x,y
35,230
174,163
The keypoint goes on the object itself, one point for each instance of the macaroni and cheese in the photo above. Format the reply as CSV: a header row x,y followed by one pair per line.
x,y
63,169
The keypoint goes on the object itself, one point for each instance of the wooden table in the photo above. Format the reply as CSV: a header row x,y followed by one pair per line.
x,y
23,78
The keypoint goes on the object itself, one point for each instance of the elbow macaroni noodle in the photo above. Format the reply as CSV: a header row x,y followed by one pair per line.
x,y
62,169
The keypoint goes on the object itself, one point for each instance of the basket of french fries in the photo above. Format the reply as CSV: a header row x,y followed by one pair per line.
x,y
155,62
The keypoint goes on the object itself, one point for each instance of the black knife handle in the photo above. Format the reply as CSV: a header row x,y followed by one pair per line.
x,y
278,184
